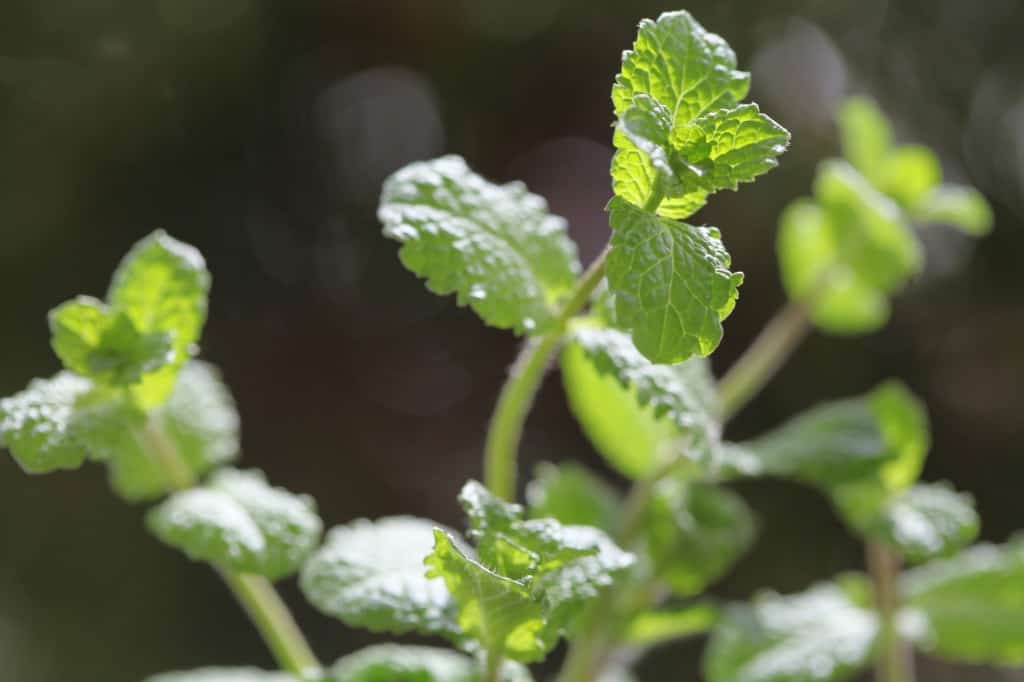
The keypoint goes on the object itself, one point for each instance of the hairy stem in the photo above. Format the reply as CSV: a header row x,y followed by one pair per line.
x,y
256,594
520,389
759,363
895,658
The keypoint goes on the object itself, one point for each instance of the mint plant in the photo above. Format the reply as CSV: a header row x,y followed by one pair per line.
x,y
611,575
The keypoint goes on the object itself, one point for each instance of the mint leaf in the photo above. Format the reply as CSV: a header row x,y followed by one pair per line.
x,y
908,173
651,628
723,148
671,282
35,424
972,604
964,208
682,71
162,285
410,663
497,611
238,521
821,635
370,574
97,342
684,394
847,252
625,433
922,522
571,494
882,436
223,675
864,133
530,579
695,533
495,246
198,420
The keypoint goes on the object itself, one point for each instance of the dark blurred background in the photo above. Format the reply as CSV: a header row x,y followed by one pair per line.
x,y
261,132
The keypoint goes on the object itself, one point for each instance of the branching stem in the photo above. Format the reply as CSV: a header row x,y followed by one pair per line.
x,y
261,602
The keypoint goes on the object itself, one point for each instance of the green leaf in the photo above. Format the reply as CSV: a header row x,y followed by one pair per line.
x,y
239,521
864,133
370,574
651,628
223,675
671,282
102,344
684,70
530,579
881,436
847,252
922,522
410,663
821,635
571,494
684,394
972,604
695,533
959,206
627,434
497,611
908,174
679,126
35,424
198,420
723,148
495,246
162,285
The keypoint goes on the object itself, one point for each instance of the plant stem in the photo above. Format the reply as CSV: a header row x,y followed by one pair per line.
x,y
895,659
520,389
763,358
256,594
492,667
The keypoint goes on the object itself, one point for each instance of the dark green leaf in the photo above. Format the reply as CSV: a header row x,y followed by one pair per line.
x,y
496,247
972,604
571,494
370,574
239,521
695,533
671,282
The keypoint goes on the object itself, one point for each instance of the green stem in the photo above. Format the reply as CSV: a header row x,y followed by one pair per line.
x,y
895,658
492,667
256,594
520,389
763,358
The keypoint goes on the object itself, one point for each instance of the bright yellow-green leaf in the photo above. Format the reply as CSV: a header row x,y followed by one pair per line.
x,y
959,206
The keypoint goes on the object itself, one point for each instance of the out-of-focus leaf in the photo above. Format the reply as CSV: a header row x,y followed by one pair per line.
x,y
411,663
35,424
495,246
684,394
695,533
571,494
959,206
239,521
908,174
224,675
671,282
865,134
972,604
922,522
651,628
371,574
821,635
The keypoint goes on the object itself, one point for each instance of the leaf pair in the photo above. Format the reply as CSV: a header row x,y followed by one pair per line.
x,y
966,608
